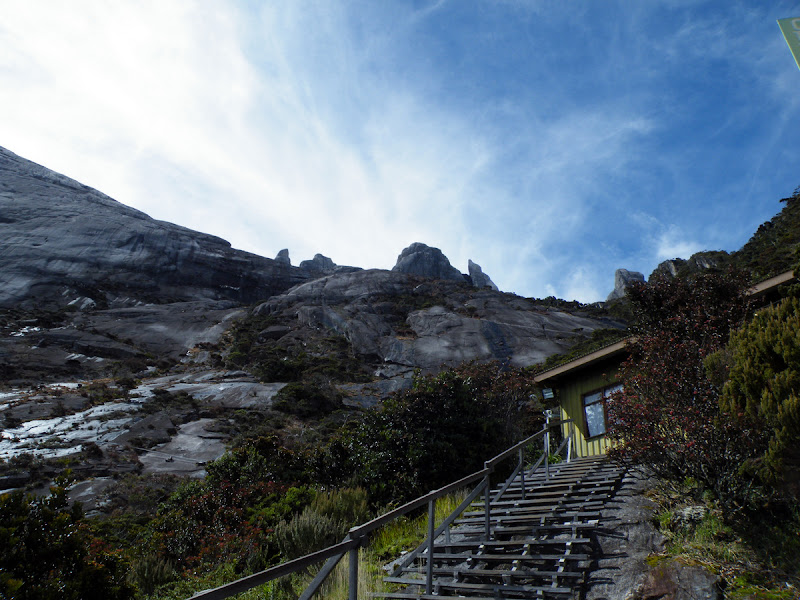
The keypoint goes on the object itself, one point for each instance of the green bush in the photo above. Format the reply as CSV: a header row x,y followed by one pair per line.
x,y
763,387
47,551
307,400
308,532
347,505
443,429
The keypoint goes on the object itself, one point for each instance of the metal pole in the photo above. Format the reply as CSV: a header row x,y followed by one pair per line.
x,y
431,533
486,507
571,441
353,558
522,470
547,415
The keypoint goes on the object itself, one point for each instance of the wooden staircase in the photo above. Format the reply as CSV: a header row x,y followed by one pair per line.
x,y
540,543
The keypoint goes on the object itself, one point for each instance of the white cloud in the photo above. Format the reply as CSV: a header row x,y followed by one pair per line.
x,y
672,243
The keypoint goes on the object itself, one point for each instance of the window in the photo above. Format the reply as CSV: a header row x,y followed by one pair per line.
x,y
594,409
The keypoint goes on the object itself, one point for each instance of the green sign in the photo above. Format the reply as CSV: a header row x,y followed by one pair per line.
x,y
791,31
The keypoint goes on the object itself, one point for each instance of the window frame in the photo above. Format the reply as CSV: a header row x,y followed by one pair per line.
x,y
604,392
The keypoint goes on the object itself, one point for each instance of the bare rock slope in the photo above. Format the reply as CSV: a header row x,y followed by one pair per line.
x,y
64,243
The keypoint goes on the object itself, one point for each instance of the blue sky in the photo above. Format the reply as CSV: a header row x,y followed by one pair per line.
x,y
550,142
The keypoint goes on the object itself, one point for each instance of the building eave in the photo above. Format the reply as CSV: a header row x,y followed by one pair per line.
x,y
584,361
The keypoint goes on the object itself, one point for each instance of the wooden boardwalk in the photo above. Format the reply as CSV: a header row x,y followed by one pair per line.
x,y
541,541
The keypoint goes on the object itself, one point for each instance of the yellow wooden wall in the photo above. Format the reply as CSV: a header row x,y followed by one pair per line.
x,y
570,393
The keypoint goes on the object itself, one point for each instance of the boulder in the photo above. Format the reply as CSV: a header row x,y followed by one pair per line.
x,y
420,259
672,580
319,263
622,279
478,278
283,257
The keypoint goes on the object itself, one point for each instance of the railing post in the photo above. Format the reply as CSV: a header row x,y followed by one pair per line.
x,y
353,558
431,533
571,441
487,506
522,470
547,415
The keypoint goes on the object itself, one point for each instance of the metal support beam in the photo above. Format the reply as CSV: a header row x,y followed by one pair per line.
x,y
431,535
487,507
353,558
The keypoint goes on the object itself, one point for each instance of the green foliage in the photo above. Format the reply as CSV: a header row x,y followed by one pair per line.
x,y
151,571
308,532
47,551
763,386
757,555
773,248
347,505
305,357
429,436
307,400
164,400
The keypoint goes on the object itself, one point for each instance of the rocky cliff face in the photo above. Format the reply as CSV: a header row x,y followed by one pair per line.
x,y
700,261
395,323
142,292
63,243
622,279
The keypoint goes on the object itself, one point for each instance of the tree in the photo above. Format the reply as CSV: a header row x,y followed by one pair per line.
x,y
47,551
764,387
668,417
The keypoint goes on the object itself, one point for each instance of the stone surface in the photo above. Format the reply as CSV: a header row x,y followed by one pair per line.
x,y
420,259
671,580
97,343
700,261
629,567
622,279
392,318
478,278
320,263
63,243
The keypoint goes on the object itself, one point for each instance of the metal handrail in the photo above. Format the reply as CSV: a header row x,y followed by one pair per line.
x,y
358,535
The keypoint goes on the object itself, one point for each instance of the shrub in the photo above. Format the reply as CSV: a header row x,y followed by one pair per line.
x,y
764,388
348,505
47,551
668,416
307,400
308,532
442,429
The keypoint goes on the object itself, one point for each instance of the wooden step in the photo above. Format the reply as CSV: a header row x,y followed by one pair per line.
x,y
521,542
500,590
442,556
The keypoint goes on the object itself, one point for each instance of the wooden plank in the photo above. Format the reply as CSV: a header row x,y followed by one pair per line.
x,y
501,558
526,529
540,508
455,585
523,542
519,574
403,595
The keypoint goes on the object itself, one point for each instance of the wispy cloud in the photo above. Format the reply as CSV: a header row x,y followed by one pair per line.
x,y
550,145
